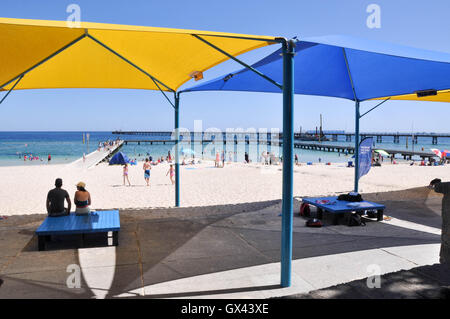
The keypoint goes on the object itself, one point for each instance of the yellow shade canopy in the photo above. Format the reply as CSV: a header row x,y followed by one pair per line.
x,y
441,96
96,55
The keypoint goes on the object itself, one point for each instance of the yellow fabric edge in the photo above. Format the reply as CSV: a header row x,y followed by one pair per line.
x,y
101,26
442,96
121,27
263,44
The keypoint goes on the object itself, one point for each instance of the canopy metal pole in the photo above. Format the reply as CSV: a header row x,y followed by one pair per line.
x,y
375,107
238,61
177,139
133,65
288,167
12,88
357,118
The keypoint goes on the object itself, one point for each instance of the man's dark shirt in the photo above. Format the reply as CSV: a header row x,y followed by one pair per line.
x,y
444,188
56,197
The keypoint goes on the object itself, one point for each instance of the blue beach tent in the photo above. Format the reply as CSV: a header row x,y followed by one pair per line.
x,y
119,159
350,68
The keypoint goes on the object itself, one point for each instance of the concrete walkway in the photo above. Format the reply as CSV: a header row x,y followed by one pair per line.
x,y
229,251
424,282
95,157
308,274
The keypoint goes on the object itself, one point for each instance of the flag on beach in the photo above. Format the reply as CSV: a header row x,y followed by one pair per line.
x,y
437,152
365,156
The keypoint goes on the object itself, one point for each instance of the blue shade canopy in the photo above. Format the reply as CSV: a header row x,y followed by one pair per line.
x,y
328,66
120,158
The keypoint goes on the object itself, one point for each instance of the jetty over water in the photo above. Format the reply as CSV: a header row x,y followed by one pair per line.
x,y
351,150
97,156
247,135
156,142
202,136
396,136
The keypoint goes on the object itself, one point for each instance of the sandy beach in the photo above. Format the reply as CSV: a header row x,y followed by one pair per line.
x,y
25,188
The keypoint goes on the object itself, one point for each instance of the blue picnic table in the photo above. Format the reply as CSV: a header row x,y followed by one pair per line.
x,y
94,222
340,207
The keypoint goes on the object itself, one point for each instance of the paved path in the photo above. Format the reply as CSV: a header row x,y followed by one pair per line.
x,y
229,251
308,274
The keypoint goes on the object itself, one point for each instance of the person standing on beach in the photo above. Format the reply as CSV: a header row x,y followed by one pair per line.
x,y
55,200
49,158
216,164
172,173
223,158
147,167
125,174
444,188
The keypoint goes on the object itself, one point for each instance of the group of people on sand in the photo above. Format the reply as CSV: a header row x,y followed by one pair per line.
x,y
56,199
31,157
268,158
219,158
147,167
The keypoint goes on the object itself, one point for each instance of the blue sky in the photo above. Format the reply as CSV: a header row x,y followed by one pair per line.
x,y
413,23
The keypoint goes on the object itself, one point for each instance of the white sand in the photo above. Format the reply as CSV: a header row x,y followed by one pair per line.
x,y
24,188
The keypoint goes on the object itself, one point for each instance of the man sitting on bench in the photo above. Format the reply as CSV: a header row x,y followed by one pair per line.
x,y
55,200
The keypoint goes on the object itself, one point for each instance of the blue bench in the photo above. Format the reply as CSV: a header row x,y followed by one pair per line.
x,y
338,207
95,222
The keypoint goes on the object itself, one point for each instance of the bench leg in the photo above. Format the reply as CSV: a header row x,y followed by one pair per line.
x,y
379,215
115,238
81,241
319,214
41,243
335,219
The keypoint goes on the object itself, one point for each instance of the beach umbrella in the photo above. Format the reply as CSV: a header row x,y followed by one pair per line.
x,y
436,151
119,159
382,152
445,153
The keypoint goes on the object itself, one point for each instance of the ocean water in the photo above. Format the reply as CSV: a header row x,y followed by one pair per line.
x,y
65,147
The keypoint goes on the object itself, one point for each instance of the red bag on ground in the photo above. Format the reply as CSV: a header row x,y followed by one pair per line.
x,y
314,222
305,211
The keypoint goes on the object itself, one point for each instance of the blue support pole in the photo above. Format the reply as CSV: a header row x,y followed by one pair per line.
x,y
177,160
357,118
288,165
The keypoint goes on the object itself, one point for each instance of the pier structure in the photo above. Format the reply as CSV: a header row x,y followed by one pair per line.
x,y
165,137
98,156
396,136
407,155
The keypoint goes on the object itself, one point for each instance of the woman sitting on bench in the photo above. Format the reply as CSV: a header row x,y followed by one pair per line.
x,y
82,199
